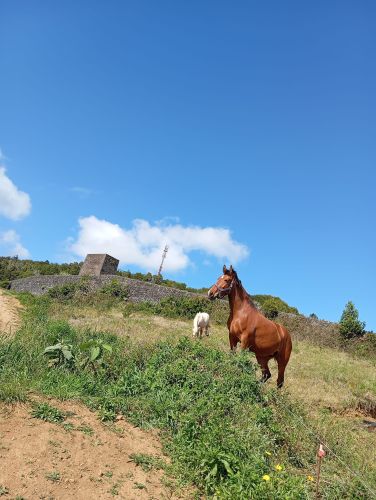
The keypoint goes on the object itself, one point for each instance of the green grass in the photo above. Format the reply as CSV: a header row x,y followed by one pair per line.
x,y
221,429
146,462
48,413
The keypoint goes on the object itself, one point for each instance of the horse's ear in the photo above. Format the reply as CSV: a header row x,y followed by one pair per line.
x,y
224,269
232,270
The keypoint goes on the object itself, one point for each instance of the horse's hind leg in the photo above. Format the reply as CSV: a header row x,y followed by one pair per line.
x,y
282,359
281,373
263,362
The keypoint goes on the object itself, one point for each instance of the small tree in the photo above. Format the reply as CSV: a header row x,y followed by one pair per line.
x,y
349,324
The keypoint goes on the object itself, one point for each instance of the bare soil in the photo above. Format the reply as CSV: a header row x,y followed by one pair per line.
x,y
80,458
10,308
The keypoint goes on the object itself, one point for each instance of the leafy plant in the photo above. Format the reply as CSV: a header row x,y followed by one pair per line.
x,y
349,324
220,466
59,354
48,413
53,476
93,352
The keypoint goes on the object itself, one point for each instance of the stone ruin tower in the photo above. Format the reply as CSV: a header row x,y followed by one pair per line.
x,y
97,264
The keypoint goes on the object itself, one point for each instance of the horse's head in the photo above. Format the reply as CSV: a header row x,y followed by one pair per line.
x,y
224,284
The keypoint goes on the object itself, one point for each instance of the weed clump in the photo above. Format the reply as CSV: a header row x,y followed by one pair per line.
x,y
48,413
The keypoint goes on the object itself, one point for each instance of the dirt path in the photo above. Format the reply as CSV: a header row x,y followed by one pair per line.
x,y
9,313
80,458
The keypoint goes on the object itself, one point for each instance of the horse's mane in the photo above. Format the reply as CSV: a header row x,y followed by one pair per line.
x,y
246,294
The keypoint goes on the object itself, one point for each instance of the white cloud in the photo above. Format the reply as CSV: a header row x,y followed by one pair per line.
x,y
11,243
142,245
14,204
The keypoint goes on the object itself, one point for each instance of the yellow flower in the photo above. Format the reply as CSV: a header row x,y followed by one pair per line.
x,y
278,467
268,453
266,477
309,478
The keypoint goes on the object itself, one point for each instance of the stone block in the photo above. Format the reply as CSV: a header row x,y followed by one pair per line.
x,y
97,264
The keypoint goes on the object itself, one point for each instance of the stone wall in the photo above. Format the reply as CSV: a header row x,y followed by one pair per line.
x,y
138,290
319,331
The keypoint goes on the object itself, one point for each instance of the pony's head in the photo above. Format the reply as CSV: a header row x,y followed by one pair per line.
x,y
224,284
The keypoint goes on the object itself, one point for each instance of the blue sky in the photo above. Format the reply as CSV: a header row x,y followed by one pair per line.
x,y
238,132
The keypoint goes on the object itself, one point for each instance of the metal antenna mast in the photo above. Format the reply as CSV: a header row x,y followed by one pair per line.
x,y
163,258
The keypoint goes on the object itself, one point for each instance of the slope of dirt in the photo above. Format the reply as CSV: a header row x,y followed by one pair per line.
x,y
9,313
80,458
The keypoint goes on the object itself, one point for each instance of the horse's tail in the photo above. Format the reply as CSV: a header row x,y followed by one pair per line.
x,y
284,351
283,355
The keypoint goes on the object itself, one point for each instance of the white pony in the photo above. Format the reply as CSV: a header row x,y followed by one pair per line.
x,y
200,324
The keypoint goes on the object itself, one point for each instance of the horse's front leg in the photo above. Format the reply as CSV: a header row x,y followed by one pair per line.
x,y
233,341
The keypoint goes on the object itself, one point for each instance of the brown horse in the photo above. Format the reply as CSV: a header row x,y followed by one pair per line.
x,y
249,327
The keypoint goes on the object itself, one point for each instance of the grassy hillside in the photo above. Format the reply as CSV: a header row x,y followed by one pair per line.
x,y
226,435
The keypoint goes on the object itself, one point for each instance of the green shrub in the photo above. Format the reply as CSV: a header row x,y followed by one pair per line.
x,y
181,307
273,305
270,308
279,304
63,292
93,353
59,354
12,268
5,284
177,307
349,325
115,289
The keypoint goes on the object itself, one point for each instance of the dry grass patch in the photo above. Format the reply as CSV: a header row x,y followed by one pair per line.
x,y
10,308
